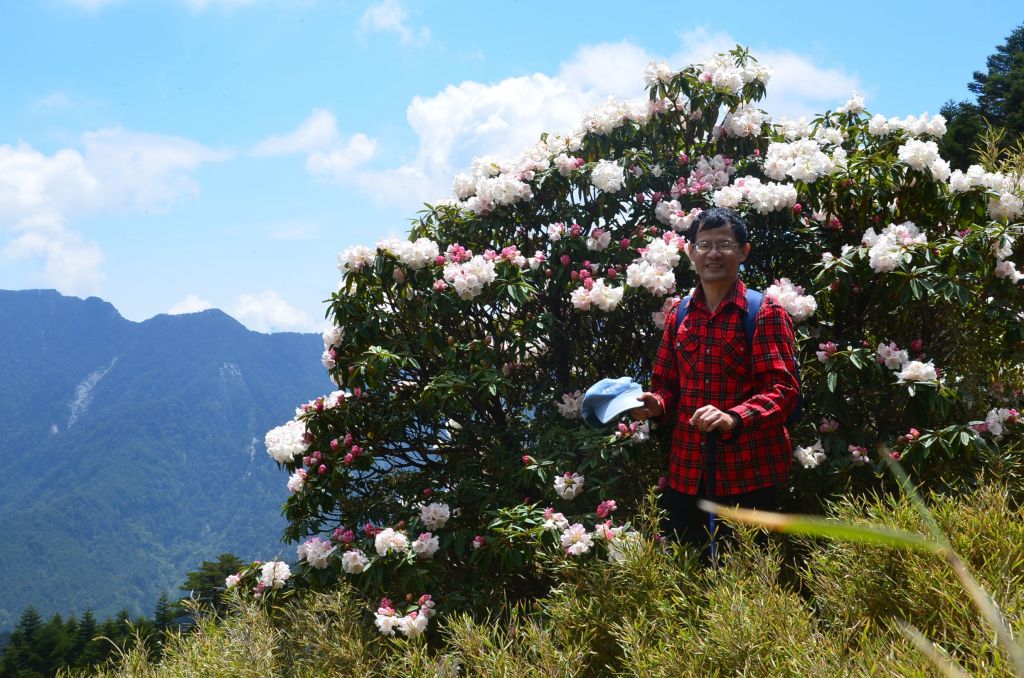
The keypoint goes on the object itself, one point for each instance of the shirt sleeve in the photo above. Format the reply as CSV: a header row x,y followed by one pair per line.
x,y
773,370
665,372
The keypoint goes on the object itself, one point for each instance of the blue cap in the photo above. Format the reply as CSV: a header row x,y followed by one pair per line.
x,y
609,398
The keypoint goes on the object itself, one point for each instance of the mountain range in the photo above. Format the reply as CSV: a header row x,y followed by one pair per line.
x,y
132,451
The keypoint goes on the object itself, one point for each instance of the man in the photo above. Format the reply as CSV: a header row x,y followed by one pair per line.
x,y
710,377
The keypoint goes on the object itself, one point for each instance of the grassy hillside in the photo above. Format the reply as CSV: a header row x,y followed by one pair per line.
x,y
794,608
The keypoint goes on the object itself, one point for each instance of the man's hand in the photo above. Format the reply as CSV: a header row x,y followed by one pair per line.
x,y
650,409
710,418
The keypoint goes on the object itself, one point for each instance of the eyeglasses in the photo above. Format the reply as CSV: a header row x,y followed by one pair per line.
x,y
725,246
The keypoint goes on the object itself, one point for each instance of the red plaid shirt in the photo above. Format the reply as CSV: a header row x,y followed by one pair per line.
x,y
707,363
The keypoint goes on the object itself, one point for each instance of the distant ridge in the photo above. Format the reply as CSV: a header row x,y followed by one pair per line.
x,y
132,451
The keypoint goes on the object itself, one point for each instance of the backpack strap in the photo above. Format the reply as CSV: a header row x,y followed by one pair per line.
x,y
681,309
754,299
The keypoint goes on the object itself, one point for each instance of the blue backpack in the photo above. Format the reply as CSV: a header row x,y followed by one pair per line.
x,y
754,299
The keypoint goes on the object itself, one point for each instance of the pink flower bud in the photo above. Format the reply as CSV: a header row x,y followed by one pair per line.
x,y
917,346
548,273
798,208
427,492
612,274
348,459
526,459
575,230
575,275
322,470
662,483
478,541
639,198
683,158
565,259
335,444
357,450
624,243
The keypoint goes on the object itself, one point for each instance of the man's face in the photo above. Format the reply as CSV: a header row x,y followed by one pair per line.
x,y
718,264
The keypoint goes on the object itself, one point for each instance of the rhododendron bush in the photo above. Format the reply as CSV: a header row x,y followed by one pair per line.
x,y
452,456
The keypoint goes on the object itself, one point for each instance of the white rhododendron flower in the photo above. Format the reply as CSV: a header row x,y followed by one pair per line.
x,y
887,247
792,298
914,370
568,485
599,239
1006,205
1008,269
468,278
571,404
794,129
355,258
854,105
745,121
463,186
435,515
891,355
764,198
274,574
604,296
413,624
315,551
297,481
554,521
354,561
426,545
285,442
415,255
996,420
333,335
671,214
658,72
828,136
387,623
655,269
580,298
924,156
802,160
576,541
810,457
388,540
232,581
608,176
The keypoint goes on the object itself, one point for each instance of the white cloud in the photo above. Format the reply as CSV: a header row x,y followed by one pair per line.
x,y
192,303
503,118
113,170
389,16
330,157
267,312
53,101
315,132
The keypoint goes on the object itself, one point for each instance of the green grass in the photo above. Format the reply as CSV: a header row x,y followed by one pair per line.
x,y
795,607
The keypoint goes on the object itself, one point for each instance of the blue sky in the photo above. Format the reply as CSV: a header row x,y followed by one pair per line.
x,y
171,155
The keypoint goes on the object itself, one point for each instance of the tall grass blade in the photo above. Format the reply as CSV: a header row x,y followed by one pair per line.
x,y
942,662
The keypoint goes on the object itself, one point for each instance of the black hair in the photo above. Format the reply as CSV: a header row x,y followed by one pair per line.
x,y
717,217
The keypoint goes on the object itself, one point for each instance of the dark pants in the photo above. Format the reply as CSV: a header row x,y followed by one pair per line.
x,y
688,524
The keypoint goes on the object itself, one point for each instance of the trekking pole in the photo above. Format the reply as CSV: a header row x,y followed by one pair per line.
x,y
710,454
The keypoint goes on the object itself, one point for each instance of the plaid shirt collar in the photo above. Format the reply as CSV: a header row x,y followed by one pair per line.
x,y
737,295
